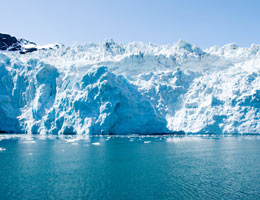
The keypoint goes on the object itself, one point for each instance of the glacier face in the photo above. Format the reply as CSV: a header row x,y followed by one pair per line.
x,y
111,88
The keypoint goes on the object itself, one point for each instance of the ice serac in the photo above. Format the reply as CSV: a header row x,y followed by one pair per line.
x,y
111,88
37,98
105,103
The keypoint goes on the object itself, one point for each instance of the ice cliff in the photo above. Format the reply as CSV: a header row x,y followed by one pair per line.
x,y
111,88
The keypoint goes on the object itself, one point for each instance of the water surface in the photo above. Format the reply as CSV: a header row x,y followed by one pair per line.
x,y
163,167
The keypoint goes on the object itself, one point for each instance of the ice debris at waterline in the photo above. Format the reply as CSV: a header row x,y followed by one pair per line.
x,y
111,88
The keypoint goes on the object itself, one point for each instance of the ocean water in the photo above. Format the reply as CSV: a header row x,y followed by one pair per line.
x,y
163,167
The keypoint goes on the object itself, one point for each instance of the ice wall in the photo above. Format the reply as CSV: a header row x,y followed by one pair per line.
x,y
111,88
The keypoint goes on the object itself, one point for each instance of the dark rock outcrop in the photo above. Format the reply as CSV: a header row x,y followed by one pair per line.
x,y
10,43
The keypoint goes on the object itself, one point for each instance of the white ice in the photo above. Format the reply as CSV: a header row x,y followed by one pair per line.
x,y
111,88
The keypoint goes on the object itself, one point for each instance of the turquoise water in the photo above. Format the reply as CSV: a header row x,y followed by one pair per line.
x,y
200,167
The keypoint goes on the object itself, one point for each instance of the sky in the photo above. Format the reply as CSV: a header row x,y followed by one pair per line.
x,y
201,22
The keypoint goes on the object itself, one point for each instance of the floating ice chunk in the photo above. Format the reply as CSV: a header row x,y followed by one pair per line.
x,y
2,149
96,143
71,140
108,138
183,139
28,141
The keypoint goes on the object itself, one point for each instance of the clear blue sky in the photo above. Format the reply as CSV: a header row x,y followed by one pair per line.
x,y
201,22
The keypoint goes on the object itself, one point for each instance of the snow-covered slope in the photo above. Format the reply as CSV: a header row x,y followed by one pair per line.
x,y
111,88
11,43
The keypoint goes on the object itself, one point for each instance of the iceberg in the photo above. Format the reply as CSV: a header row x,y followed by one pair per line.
x,y
115,89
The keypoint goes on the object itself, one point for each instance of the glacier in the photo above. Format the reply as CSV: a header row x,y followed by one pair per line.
x,y
136,88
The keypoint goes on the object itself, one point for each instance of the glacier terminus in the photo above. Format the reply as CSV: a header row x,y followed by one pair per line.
x,y
137,88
